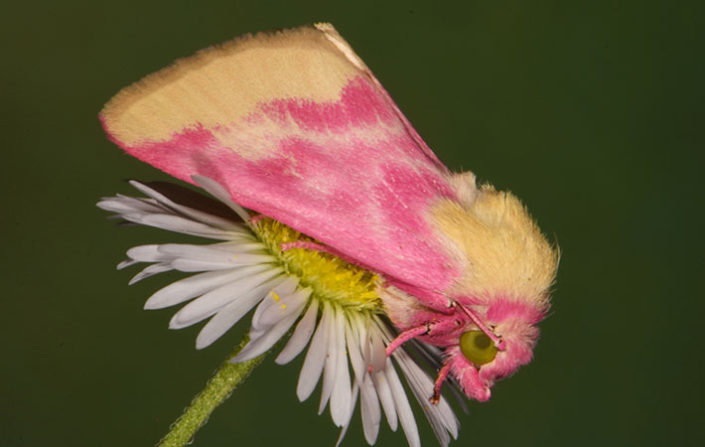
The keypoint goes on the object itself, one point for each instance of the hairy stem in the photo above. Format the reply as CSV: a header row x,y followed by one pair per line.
x,y
218,388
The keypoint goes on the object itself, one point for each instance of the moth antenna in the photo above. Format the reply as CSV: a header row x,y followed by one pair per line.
x,y
497,340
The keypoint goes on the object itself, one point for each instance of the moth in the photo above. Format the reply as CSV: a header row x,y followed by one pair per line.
x,y
295,127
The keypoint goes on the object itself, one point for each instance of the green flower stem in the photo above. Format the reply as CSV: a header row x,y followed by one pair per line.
x,y
218,388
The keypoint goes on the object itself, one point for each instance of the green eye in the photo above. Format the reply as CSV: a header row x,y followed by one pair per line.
x,y
477,347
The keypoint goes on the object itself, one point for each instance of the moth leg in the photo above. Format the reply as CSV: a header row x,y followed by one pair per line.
x,y
256,218
428,328
315,246
440,378
406,336
306,245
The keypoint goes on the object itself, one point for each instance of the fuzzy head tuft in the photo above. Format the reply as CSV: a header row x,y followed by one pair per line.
x,y
500,247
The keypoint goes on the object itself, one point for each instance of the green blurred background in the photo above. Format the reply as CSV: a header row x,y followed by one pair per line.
x,y
592,112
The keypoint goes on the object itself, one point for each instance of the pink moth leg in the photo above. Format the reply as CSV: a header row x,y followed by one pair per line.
x,y
442,376
257,218
308,245
406,336
425,329
315,246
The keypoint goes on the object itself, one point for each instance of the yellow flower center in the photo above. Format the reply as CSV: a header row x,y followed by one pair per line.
x,y
330,277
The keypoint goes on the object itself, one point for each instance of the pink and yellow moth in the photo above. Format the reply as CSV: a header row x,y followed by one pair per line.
x,y
296,127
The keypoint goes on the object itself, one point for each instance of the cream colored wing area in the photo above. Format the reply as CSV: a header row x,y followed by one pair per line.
x,y
224,83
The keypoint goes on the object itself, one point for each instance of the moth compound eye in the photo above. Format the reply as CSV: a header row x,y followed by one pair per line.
x,y
477,347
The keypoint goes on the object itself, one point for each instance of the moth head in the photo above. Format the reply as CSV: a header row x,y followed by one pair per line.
x,y
479,361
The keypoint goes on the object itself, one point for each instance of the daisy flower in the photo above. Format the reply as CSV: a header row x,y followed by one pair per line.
x,y
296,286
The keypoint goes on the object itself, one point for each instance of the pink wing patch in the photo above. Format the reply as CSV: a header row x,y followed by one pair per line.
x,y
350,173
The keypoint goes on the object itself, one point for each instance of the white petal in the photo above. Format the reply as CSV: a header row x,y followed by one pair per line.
x,y
440,416
299,339
340,399
242,245
270,315
385,397
218,253
196,285
128,205
198,265
377,351
361,368
353,342
364,345
355,390
216,190
231,314
146,253
268,338
206,218
331,365
276,305
401,402
148,271
127,263
369,408
181,225
205,306
266,341
315,359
